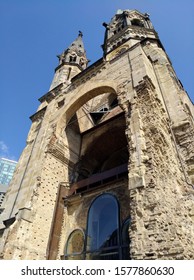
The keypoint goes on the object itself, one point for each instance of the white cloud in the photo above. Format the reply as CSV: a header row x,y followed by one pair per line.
x,y
4,151
3,148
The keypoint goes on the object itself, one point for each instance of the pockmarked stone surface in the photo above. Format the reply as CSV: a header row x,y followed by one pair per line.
x,y
120,131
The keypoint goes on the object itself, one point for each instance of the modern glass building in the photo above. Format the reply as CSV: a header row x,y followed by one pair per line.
x,y
3,190
7,168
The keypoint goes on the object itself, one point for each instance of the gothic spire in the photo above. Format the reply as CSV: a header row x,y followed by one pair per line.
x,y
75,53
72,61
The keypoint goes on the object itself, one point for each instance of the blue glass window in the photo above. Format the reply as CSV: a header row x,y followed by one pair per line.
x,y
106,238
102,238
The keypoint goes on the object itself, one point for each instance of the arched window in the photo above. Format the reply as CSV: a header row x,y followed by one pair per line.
x,y
103,230
105,239
72,58
137,22
75,245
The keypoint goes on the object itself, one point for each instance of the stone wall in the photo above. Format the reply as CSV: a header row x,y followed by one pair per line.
x,y
159,135
158,213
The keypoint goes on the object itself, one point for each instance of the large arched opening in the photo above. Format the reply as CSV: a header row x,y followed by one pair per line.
x,y
96,134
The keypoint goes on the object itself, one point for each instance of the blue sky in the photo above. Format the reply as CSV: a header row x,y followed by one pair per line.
x,y
34,32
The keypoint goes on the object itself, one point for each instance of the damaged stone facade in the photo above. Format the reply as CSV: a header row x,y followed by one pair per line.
x,y
120,130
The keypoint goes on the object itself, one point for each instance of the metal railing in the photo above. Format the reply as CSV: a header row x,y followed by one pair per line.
x,y
99,179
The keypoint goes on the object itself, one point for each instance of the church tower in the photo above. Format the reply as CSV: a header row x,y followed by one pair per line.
x,y
108,167
71,62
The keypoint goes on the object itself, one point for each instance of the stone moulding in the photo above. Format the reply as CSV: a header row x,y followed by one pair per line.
x,y
49,96
38,115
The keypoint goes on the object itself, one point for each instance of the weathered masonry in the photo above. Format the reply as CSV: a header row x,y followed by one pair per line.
x,y
108,168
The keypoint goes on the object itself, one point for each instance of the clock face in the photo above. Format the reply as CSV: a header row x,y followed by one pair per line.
x,y
117,52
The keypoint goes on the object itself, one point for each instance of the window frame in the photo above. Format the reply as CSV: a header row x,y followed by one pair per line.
x,y
119,243
81,254
118,249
